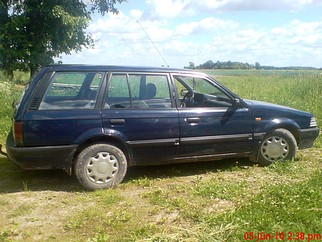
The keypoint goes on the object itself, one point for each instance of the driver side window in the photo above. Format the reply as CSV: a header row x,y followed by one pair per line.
x,y
200,92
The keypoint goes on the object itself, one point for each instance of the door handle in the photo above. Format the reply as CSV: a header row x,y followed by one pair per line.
x,y
117,121
193,120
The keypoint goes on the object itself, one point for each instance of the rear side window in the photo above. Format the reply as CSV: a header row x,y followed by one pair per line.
x,y
72,90
138,91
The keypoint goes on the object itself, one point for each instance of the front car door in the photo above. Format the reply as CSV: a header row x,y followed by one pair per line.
x,y
212,121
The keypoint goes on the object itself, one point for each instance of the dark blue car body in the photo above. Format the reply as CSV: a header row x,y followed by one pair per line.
x,y
170,128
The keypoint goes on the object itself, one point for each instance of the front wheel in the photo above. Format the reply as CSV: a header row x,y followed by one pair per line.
x,y
279,145
100,166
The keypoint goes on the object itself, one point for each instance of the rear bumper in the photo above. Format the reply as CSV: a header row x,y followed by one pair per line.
x,y
42,157
307,137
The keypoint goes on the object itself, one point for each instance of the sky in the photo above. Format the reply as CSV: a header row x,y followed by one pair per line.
x,y
176,32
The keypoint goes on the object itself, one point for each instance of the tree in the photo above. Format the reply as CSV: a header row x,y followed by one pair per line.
x,y
33,32
191,65
207,65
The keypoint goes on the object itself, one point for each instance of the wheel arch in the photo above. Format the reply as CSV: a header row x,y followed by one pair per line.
x,y
286,124
112,140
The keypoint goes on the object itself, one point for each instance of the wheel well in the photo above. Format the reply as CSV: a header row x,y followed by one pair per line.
x,y
291,129
109,140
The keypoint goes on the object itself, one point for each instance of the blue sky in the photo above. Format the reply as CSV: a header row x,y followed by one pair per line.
x,y
275,32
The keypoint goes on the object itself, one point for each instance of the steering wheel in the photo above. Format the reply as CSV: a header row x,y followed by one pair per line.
x,y
187,99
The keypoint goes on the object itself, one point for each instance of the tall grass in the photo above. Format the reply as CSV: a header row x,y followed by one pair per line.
x,y
8,93
10,90
297,89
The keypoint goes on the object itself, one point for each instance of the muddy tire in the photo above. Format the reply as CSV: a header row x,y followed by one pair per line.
x,y
100,166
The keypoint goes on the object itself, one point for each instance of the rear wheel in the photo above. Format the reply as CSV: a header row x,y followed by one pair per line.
x,y
100,166
279,145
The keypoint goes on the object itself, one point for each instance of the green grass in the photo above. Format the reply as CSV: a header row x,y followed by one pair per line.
x,y
211,201
10,90
284,208
8,93
294,92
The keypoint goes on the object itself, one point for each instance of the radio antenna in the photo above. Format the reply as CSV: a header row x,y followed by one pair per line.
x,y
152,43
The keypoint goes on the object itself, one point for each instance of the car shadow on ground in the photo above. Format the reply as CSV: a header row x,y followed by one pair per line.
x,y
185,169
13,179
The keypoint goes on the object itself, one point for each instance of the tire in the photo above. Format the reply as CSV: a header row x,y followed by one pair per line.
x,y
100,166
278,145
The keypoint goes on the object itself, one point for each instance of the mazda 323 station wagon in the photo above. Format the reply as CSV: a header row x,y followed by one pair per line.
x,y
96,121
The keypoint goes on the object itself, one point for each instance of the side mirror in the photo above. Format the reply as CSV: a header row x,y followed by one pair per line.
x,y
183,92
236,103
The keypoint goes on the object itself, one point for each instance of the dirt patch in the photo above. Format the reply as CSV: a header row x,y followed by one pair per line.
x,y
38,215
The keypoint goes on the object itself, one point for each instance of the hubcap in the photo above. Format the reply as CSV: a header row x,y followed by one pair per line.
x,y
275,148
102,167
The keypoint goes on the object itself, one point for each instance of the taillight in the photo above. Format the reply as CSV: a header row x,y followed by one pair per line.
x,y
18,133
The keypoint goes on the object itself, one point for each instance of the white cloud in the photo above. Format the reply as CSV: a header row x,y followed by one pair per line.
x,y
241,5
119,39
298,43
208,25
164,9
136,13
176,8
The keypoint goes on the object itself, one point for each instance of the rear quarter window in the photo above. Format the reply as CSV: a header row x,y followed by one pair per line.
x,y
72,90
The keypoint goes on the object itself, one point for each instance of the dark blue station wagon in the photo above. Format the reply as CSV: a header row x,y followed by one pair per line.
x,y
96,121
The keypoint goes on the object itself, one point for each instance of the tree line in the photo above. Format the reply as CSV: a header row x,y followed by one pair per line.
x,y
243,66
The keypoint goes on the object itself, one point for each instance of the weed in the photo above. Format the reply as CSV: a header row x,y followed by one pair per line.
x,y
75,223
21,211
158,196
25,186
282,167
6,235
99,238
222,190
107,198
143,182
144,231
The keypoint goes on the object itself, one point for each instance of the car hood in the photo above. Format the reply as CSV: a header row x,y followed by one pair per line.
x,y
269,109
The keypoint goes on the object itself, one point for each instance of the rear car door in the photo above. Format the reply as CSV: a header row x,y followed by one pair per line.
x,y
139,110
212,122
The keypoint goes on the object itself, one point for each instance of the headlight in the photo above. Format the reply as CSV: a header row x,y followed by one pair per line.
x,y
313,122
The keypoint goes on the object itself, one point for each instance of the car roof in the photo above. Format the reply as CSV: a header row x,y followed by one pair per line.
x,y
116,68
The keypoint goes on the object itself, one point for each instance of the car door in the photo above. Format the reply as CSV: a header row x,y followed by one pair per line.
x,y
139,110
212,122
